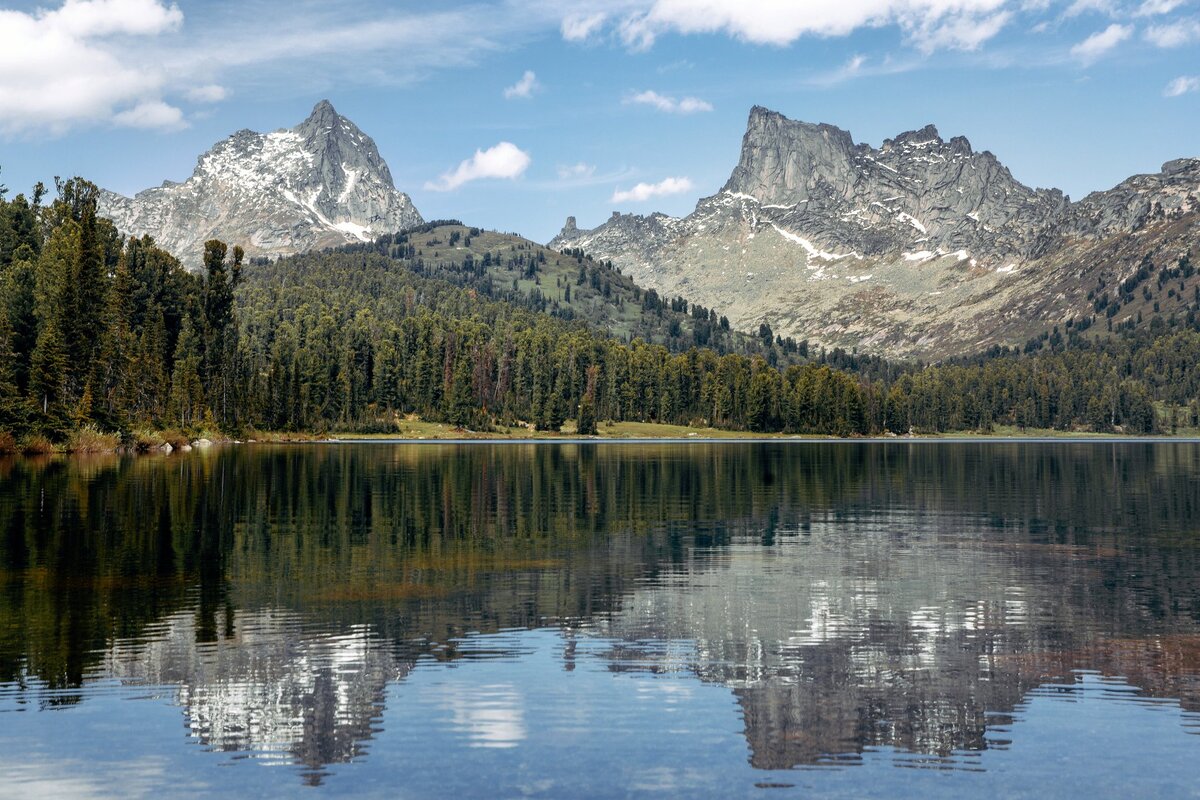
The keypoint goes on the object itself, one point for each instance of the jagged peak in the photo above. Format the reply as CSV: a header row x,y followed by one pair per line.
x,y
326,123
923,136
764,118
323,111
1180,165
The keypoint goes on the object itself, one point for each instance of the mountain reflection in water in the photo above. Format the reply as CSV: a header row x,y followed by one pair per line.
x,y
851,598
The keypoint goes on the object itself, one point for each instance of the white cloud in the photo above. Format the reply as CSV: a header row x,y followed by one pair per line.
x,y
580,27
929,24
85,19
61,68
1151,8
961,33
688,105
212,93
576,171
1090,6
646,191
1101,42
1174,34
1182,85
861,66
504,160
153,114
523,88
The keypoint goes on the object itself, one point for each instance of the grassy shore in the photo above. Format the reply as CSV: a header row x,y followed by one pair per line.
x,y
92,441
419,430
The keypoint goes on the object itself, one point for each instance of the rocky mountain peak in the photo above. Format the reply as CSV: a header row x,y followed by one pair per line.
x,y
318,184
783,159
925,136
893,247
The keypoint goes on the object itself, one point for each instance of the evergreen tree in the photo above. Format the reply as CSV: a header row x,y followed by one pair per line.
x,y
187,389
48,373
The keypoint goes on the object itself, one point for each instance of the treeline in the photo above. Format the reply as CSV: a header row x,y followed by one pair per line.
x,y
96,331
570,286
113,335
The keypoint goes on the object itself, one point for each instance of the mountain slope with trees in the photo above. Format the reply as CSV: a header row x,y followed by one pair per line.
x,y
108,334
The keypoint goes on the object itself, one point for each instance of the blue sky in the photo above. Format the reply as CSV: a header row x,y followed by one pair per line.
x,y
633,105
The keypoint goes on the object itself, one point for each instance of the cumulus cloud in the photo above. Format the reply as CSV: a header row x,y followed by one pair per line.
x,y
1182,85
60,68
523,88
688,105
929,24
646,191
1101,42
154,114
577,171
212,93
504,160
1174,34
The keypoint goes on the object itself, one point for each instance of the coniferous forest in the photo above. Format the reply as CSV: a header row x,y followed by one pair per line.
x,y
106,336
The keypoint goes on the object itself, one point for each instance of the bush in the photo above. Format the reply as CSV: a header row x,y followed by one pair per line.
x,y
90,439
37,445
376,426
8,444
174,437
143,441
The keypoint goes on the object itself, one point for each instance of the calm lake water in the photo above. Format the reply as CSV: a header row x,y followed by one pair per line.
x,y
510,620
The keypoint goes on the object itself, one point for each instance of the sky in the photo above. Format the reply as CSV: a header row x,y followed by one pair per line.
x,y
514,114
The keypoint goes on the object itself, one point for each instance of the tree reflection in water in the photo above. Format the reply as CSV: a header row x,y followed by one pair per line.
x,y
851,596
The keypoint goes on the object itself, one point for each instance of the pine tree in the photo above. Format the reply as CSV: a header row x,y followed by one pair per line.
x,y
17,288
48,375
586,424
112,375
150,371
187,389
13,410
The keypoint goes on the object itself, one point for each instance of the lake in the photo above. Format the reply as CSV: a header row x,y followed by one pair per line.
x,y
950,619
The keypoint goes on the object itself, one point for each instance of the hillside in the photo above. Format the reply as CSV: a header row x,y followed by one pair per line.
x,y
570,286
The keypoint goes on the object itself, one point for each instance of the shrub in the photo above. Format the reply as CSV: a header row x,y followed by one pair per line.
x,y
143,441
37,445
90,439
174,437
8,444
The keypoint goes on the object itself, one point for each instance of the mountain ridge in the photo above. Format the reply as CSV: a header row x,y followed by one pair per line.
x,y
916,248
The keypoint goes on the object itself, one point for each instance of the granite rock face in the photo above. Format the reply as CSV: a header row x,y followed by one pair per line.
x,y
920,247
319,184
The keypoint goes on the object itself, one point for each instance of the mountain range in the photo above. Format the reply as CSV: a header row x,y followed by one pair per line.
x,y
319,184
922,247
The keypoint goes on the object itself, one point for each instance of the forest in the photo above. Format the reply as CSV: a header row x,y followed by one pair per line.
x,y
108,338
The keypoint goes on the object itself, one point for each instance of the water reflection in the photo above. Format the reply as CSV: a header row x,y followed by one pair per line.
x,y
851,598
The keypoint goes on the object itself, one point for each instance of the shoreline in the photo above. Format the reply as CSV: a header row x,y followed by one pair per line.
x,y
624,433
930,439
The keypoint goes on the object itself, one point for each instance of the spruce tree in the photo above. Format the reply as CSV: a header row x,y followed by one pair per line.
x,y
48,376
13,409
187,389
